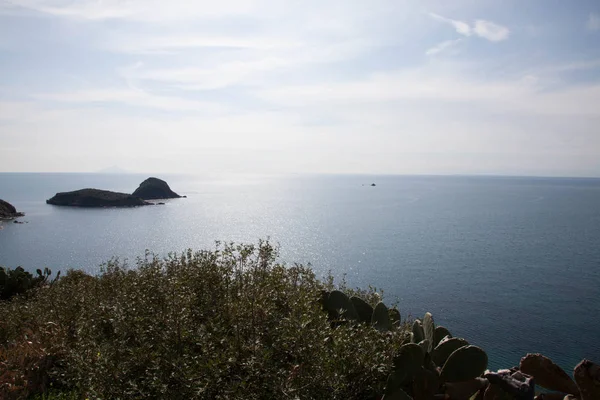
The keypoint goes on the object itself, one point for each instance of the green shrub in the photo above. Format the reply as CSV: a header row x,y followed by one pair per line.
x,y
230,323
18,281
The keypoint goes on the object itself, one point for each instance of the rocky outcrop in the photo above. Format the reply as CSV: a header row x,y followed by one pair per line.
x,y
8,211
154,188
150,189
96,198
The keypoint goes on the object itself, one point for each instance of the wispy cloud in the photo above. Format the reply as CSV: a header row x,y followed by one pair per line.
x,y
461,27
482,28
593,22
443,46
171,43
141,10
215,77
431,87
249,68
490,31
130,97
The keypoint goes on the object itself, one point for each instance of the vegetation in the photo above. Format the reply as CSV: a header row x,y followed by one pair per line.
x,y
228,323
232,323
18,281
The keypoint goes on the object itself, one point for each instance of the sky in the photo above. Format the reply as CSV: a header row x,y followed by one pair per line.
x,y
287,86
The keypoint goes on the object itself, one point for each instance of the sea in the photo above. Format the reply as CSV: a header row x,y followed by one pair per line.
x,y
512,264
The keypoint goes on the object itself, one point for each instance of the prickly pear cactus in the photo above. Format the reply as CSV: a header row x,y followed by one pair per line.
x,y
338,304
408,361
363,309
468,362
381,318
547,374
587,376
425,345
439,334
425,384
465,390
417,331
446,347
394,381
428,330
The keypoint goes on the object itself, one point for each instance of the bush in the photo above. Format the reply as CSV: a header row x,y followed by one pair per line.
x,y
227,323
17,281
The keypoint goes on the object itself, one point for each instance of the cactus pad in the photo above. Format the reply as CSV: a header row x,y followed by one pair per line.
x,y
339,304
446,347
428,330
417,331
547,374
466,363
363,309
381,318
408,361
439,334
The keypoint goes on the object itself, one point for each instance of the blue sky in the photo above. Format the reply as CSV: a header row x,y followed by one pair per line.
x,y
403,86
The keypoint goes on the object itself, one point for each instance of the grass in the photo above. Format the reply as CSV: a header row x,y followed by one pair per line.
x,y
230,323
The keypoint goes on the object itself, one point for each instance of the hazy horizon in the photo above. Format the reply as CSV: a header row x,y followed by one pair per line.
x,y
401,87
238,174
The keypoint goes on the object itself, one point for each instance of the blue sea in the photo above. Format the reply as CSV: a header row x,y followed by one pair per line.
x,y
510,264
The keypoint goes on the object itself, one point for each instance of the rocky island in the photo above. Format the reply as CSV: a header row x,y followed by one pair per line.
x,y
8,211
153,189
150,189
96,198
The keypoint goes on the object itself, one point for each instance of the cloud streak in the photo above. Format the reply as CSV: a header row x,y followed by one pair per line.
x,y
490,31
443,46
484,29
140,10
130,97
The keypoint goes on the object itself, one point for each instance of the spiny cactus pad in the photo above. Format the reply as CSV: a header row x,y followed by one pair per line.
x,y
381,318
547,374
337,301
425,345
446,347
409,360
425,384
417,331
439,334
466,363
464,390
429,330
587,376
363,309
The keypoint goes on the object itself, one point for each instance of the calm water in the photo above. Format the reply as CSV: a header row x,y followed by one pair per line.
x,y
511,264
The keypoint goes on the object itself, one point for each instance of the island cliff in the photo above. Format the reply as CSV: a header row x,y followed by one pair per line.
x,y
154,188
8,211
96,198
